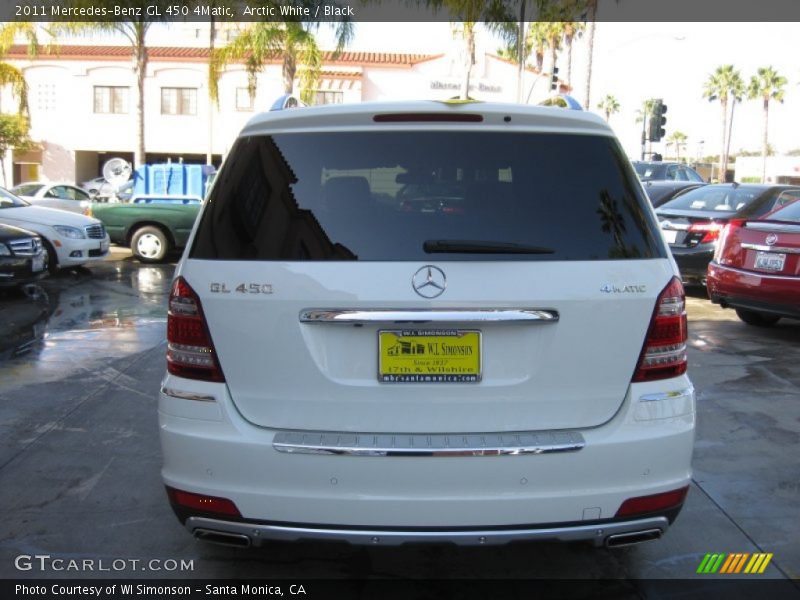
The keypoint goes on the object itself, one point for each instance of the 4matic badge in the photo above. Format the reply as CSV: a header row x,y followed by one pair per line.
x,y
625,289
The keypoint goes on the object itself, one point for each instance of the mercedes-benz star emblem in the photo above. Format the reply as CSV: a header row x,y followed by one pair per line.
x,y
429,281
771,239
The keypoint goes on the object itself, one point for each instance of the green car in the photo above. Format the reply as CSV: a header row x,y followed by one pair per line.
x,y
151,230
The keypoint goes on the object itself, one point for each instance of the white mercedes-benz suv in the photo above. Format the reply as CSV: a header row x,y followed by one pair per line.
x,y
427,322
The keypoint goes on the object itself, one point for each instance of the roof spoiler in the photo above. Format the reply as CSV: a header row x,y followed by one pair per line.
x,y
287,101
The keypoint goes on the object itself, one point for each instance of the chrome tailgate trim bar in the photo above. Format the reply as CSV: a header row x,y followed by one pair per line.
x,y
412,315
421,444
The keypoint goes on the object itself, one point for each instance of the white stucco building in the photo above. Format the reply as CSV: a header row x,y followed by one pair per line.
x,y
83,107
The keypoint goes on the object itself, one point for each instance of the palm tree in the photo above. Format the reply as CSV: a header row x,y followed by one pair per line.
x,y
293,42
609,105
677,139
724,84
592,12
136,33
572,29
767,85
10,75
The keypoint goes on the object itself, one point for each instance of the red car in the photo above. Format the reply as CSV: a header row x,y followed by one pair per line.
x,y
756,267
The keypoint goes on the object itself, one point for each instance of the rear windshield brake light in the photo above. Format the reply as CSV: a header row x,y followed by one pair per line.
x,y
427,117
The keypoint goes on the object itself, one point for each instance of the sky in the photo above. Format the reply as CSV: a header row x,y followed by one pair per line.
x,y
637,61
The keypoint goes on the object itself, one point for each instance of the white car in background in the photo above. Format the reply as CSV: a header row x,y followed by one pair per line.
x,y
70,239
63,196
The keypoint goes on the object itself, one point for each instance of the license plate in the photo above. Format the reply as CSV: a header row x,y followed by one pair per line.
x,y
669,236
37,264
429,356
770,261
104,247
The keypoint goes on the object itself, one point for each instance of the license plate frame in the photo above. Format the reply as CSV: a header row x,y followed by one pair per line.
x,y
670,235
430,358
770,261
103,247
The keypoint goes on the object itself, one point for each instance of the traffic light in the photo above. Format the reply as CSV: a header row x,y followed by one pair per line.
x,y
554,79
657,121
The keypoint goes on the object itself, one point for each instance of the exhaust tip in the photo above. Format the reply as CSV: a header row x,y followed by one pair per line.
x,y
633,537
222,538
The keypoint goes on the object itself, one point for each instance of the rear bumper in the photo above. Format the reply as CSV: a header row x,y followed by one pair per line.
x,y
244,533
737,288
645,449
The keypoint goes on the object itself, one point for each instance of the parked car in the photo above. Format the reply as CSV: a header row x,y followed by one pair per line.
x,y
661,192
151,229
101,189
666,171
69,239
692,222
98,187
22,257
348,369
756,269
54,195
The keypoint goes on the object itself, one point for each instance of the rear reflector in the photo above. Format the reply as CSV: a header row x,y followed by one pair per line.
x,y
427,117
190,351
209,504
711,231
664,352
648,504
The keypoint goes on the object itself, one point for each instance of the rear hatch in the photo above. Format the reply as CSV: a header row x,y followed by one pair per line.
x,y
305,230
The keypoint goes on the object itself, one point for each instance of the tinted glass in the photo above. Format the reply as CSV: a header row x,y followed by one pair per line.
x,y
692,175
790,212
715,199
383,195
9,200
648,171
26,189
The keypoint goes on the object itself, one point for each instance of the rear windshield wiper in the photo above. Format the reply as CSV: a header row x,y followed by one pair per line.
x,y
481,247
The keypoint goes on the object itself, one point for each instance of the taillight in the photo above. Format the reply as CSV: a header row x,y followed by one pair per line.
x,y
710,230
723,236
664,352
648,504
190,351
201,502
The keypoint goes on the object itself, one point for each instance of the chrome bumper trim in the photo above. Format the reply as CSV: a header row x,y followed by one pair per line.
x,y
762,274
258,533
421,444
187,395
765,248
449,315
689,391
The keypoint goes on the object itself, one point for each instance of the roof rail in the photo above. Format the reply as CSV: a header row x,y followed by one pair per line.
x,y
287,101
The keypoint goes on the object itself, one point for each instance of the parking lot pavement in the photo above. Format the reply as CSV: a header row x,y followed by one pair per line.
x,y
80,367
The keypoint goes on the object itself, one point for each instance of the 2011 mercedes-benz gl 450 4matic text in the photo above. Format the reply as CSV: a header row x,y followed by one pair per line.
x,y
427,322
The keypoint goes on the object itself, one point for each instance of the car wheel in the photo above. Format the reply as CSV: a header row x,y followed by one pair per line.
x,y
758,319
51,258
150,244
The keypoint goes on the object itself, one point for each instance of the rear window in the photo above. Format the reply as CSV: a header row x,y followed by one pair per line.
x,y
787,213
719,199
421,196
26,189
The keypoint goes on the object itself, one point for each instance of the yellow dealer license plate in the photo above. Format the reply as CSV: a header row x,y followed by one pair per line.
x,y
429,356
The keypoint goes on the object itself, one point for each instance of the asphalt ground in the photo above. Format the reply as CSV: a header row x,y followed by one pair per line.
x,y
80,367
